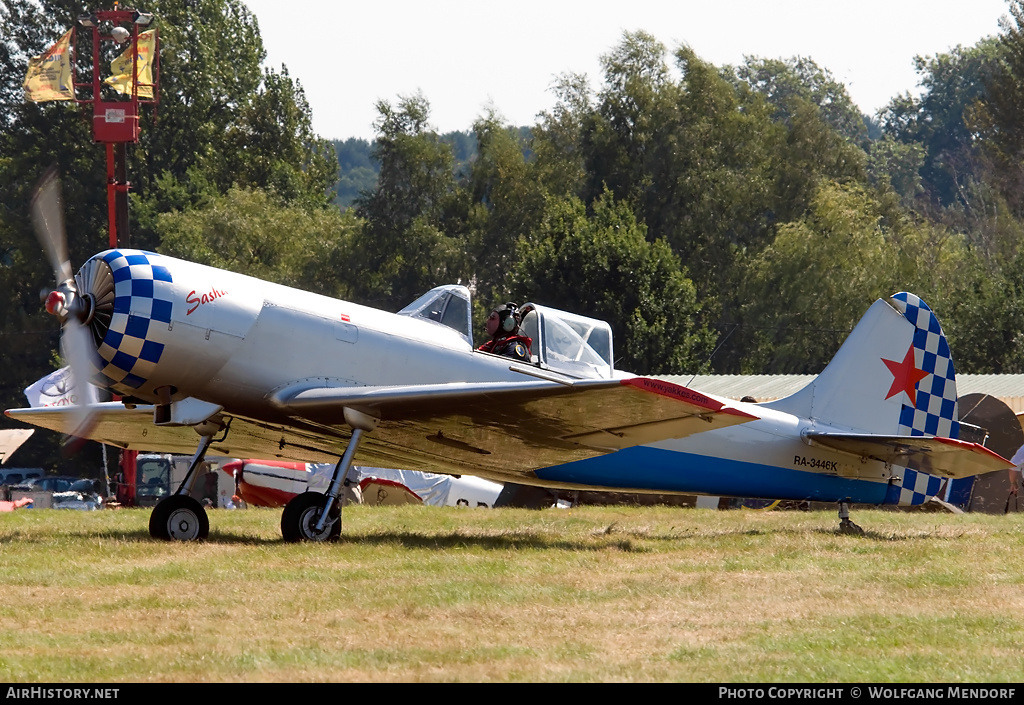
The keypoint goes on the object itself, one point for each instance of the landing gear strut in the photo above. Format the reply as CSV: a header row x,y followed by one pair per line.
x,y
180,517
313,516
845,525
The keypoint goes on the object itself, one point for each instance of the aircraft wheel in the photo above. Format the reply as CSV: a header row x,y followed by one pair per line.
x,y
179,518
298,521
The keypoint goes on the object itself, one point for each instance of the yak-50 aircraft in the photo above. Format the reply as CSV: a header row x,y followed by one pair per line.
x,y
207,360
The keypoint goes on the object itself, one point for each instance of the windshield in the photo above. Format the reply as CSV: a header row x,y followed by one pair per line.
x,y
447,305
153,477
569,343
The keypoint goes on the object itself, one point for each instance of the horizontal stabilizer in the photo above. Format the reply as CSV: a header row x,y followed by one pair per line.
x,y
934,455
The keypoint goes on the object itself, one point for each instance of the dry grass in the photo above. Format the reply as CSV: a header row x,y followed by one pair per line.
x,y
591,594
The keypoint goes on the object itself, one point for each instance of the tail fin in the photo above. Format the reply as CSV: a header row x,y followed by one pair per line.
x,y
894,375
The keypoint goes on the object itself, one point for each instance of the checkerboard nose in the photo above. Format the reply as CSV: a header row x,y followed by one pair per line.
x,y
139,301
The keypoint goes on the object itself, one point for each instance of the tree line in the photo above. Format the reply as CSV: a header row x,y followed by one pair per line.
x,y
729,219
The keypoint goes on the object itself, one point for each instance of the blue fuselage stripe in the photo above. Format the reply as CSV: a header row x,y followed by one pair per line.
x,y
654,469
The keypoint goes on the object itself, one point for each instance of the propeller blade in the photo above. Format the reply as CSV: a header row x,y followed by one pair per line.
x,y
77,343
48,219
67,303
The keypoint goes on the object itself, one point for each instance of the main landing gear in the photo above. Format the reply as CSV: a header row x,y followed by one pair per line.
x,y
312,516
180,517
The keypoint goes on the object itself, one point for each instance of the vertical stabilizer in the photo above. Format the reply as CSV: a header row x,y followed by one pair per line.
x,y
893,376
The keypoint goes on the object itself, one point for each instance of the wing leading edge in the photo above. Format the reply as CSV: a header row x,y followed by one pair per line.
x,y
488,429
934,455
598,415
133,429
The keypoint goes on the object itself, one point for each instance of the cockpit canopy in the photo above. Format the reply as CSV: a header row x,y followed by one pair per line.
x,y
564,342
447,305
569,343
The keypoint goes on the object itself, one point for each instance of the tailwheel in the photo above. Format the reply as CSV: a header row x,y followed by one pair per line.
x,y
179,518
300,517
845,525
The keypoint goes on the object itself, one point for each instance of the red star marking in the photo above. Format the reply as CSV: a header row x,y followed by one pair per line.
x,y
905,376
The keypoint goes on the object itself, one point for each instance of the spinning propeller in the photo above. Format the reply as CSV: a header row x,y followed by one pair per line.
x,y
73,307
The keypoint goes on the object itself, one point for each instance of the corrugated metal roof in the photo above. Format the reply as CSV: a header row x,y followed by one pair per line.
x,y
1007,388
761,387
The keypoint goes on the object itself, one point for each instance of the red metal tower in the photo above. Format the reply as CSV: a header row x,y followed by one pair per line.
x,y
115,123
115,118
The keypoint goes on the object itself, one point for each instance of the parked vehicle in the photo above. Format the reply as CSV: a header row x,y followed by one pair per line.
x,y
65,492
159,474
14,476
47,483
83,494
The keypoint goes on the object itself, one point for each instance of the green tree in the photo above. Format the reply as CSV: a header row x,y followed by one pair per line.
x,y
508,203
357,172
413,235
721,200
32,137
603,266
247,231
807,290
692,158
222,120
942,122
790,83
999,116
897,166
984,319
558,139
625,137
271,145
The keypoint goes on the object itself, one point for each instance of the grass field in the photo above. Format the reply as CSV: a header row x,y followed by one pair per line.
x,y
589,594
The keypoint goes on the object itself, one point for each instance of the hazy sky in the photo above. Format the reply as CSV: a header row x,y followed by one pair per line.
x,y
466,55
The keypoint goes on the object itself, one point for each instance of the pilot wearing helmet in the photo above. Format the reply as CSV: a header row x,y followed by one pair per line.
x,y
503,327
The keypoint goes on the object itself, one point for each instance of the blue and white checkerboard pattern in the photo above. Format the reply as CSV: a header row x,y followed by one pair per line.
x,y
142,302
935,413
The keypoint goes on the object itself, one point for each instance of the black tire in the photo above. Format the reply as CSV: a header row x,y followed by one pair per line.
x,y
298,521
179,518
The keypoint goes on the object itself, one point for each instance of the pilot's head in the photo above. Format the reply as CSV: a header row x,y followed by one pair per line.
x,y
504,321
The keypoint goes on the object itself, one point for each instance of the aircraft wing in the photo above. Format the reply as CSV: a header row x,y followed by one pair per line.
x,y
133,429
931,454
493,430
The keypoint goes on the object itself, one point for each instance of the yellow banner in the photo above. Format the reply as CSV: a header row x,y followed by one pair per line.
x,y
49,75
121,67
